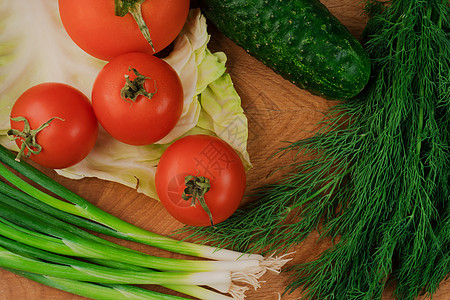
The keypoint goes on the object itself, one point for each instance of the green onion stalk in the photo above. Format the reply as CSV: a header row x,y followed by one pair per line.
x,y
113,226
95,291
21,231
114,272
49,240
99,274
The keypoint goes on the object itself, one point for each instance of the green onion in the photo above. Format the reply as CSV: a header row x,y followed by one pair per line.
x,y
220,280
99,274
196,291
78,206
95,291
31,252
69,218
69,241
46,239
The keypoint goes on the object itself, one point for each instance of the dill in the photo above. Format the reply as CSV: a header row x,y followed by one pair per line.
x,y
379,179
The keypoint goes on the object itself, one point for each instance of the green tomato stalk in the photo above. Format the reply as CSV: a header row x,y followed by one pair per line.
x,y
28,136
123,7
196,188
134,88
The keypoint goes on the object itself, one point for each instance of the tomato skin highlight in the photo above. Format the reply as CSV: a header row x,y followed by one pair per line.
x,y
95,28
144,121
64,142
207,156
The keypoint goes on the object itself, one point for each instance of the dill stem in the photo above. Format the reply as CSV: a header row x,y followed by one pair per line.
x,y
325,187
391,213
420,125
420,128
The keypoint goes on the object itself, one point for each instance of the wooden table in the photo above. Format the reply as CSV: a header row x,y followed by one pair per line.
x,y
277,111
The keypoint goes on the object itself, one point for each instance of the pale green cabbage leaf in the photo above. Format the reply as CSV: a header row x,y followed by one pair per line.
x,y
35,48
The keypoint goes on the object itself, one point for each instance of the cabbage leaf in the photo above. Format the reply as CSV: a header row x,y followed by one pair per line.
x,y
35,49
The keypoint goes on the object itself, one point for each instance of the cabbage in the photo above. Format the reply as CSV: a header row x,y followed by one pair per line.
x,y
35,48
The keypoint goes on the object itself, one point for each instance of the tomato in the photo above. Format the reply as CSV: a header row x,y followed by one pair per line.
x,y
95,28
146,120
70,136
200,156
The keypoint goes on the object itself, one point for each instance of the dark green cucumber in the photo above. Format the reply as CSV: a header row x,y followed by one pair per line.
x,y
299,39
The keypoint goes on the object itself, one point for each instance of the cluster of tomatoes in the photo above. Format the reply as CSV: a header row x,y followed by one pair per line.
x,y
138,99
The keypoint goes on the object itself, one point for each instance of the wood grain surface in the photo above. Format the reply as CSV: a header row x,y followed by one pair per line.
x,y
277,111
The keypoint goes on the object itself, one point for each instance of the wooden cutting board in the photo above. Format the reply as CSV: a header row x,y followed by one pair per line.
x,y
277,111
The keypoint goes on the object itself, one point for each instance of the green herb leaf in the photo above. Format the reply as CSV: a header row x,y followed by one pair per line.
x,y
378,182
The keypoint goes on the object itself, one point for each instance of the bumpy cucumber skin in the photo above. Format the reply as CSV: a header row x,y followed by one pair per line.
x,y
299,39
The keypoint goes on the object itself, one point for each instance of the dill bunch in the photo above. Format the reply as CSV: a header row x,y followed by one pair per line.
x,y
379,177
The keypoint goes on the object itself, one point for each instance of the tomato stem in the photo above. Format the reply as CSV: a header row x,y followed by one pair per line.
x,y
132,89
28,136
122,7
196,188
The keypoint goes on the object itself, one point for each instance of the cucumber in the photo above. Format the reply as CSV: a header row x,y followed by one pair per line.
x,y
299,39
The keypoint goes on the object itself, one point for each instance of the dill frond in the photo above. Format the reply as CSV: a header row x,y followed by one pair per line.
x,y
378,181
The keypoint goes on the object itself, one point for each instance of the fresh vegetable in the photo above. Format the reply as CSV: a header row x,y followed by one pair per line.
x,y
97,291
300,40
56,239
138,98
56,58
78,206
54,124
36,49
106,29
377,176
44,235
200,180
211,106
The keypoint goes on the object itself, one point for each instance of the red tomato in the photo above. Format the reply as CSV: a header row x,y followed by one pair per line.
x,y
144,121
207,156
95,28
67,140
